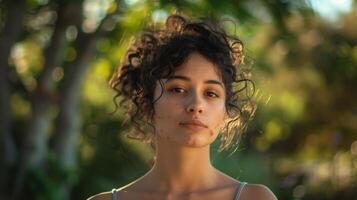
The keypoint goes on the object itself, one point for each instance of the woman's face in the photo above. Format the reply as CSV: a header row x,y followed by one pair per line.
x,y
193,95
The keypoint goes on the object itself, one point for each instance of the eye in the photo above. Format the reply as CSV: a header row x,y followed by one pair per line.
x,y
177,90
212,94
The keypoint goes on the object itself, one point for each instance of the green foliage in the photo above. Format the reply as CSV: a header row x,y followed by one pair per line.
x,y
301,143
47,184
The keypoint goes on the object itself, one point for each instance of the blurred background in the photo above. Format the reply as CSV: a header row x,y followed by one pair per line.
x,y
58,140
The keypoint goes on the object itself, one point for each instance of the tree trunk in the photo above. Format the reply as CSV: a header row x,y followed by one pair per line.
x,y
34,149
67,127
10,33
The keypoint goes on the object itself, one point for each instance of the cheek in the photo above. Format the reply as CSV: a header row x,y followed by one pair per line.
x,y
165,109
164,117
213,134
160,124
218,122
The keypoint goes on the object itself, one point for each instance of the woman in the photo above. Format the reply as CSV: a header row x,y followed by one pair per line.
x,y
180,86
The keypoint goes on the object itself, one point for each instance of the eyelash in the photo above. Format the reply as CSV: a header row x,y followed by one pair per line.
x,y
174,90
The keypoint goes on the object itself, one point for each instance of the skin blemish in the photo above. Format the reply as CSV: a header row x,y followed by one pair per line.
x,y
192,142
211,132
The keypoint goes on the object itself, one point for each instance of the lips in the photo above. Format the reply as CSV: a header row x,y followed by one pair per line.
x,y
194,124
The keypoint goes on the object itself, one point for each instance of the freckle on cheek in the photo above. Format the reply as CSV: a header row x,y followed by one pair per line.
x,y
192,142
211,132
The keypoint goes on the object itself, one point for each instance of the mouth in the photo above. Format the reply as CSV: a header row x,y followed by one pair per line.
x,y
194,125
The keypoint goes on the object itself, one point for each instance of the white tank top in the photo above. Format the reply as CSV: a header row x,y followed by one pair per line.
x,y
236,194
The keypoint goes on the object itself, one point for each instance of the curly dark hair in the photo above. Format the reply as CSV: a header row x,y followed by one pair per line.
x,y
158,51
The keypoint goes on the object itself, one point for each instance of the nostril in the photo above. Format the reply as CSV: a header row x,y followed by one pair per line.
x,y
194,109
190,109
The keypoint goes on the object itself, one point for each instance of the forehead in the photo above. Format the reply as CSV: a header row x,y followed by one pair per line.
x,y
197,66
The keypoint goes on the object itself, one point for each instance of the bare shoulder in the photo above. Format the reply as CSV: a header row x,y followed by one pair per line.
x,y
101,196
258,192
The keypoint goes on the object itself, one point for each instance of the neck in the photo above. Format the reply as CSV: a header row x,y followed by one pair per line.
x,y
179,169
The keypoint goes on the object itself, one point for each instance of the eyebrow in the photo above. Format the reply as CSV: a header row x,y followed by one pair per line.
x,y
184,78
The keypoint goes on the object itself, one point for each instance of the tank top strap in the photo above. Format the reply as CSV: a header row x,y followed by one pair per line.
x,y
239,190
114,194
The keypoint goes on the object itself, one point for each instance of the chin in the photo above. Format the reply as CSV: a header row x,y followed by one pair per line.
x,y
197,142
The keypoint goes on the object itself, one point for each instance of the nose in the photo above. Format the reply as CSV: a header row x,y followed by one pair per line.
x,y
195,104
